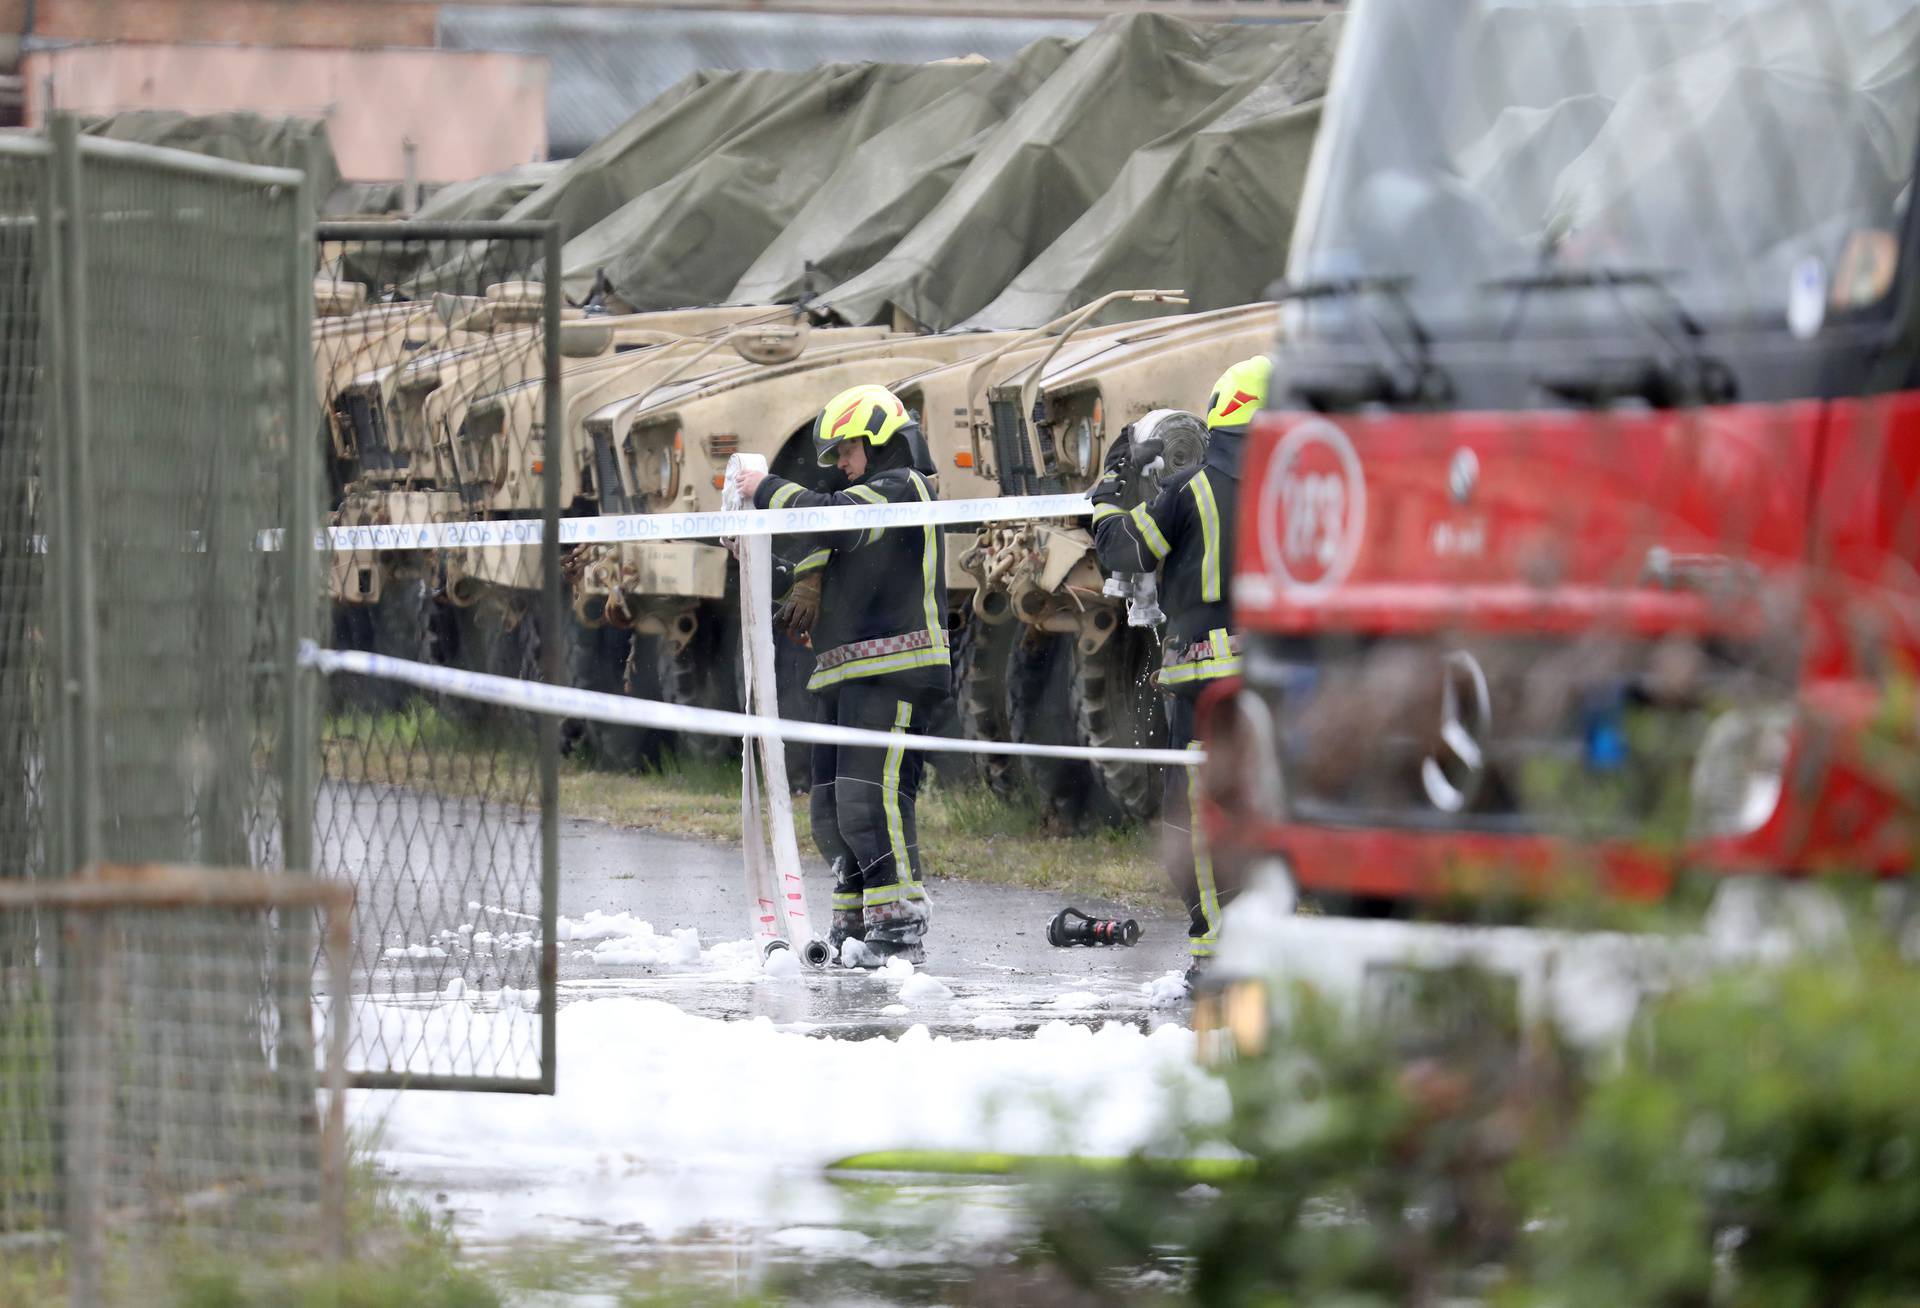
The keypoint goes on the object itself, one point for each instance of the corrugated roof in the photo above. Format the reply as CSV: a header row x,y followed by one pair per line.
x,y
607,64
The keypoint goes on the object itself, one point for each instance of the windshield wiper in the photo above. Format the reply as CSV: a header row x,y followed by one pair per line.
x,y
1407,377
1687,375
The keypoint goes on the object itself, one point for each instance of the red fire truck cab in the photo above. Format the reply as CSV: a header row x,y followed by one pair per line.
x,y
1582,538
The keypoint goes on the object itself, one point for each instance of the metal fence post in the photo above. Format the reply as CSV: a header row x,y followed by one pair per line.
x,y
552,662
73,573
75,804
300,738
56,705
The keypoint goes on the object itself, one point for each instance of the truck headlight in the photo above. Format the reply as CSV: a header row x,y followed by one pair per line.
x,y
1740,771
1077,420
654,454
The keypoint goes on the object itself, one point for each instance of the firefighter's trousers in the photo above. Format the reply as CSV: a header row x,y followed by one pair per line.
x,y
863,809
1183,849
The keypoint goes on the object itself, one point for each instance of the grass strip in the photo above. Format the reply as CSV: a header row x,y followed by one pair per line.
x,y
967,831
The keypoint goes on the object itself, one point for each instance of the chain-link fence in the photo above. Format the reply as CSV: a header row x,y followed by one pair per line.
x,y
158,1025
437,350
163,1054
23,195
183,367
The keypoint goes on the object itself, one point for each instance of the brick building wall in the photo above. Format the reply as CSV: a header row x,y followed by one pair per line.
x,y
337,23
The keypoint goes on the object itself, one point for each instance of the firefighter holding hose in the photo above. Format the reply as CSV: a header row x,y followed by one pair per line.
x,y
873,606
1186,532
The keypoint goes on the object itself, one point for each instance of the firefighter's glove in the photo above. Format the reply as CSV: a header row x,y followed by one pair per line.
x,y
1112,486
797,611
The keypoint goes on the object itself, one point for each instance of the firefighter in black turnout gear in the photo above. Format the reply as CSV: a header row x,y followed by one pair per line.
x,y
1186,532
873,606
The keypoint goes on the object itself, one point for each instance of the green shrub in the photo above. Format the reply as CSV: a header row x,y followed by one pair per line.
x,y
1757,1142
1774,1116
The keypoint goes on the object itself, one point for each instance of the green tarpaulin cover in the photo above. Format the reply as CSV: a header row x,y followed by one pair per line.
x,y
242,138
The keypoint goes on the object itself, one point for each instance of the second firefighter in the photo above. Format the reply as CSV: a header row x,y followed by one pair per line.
x,y
1186,533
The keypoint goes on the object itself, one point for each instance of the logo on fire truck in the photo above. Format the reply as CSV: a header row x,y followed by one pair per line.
x,y
1313,507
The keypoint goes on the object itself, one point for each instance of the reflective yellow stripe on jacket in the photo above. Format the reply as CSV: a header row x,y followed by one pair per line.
x,y
1203,501
1221,661
1150,532
937,657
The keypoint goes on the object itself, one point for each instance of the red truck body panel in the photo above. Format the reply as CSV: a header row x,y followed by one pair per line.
x,y
1795,523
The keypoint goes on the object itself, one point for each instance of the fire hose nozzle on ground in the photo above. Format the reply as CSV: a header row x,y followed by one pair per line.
x,y
1072,927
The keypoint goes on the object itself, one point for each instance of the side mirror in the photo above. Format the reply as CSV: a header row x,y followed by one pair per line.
x,y
517,302
585,338
464,313
333,298
1865,271
772,343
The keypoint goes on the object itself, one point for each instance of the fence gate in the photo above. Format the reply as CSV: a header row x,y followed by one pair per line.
x,y
437,358
160,1044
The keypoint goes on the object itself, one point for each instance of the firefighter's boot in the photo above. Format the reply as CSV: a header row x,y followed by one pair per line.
x,y
896,925
849,922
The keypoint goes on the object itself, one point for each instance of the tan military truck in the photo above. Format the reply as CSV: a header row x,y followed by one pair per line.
x,y
397,384
1001,667
668,450
1080,674
471,417
490,591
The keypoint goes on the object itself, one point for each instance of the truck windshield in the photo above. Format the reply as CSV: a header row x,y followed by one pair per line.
x,y
1736,148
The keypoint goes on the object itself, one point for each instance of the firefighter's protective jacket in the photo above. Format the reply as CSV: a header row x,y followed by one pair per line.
x,y
883,602
1186,533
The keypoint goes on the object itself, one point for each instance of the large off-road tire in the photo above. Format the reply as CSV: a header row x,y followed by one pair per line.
x,y
614,662
395,626
981,651
1040,710
497,636
706,674
1118,706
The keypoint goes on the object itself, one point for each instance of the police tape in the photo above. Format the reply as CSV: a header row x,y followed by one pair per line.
x,y
566,702
641,527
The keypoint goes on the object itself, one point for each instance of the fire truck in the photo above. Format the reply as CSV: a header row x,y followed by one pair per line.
x,y
1579,549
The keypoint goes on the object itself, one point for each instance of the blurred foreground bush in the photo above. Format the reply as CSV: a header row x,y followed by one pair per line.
x,y
1758,1142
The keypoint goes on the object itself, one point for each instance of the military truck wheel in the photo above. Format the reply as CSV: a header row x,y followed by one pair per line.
x,y
706,674
615,662
391,627
981,652
501,638
400,619
353,628
1117,706
1040,698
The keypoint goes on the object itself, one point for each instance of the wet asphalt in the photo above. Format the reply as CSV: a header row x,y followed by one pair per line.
x,y
421,863
987,943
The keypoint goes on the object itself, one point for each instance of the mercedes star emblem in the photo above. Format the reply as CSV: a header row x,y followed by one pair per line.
x,y
1453,771
1463,474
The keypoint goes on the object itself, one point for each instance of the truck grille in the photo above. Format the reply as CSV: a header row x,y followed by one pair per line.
x,y
1017,473
1590,739
366,422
